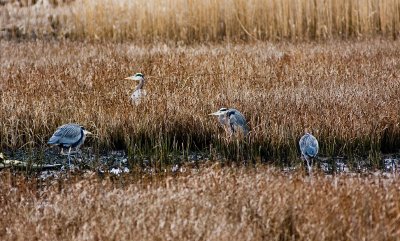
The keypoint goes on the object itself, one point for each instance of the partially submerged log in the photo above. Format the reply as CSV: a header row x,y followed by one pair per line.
x,y
23,164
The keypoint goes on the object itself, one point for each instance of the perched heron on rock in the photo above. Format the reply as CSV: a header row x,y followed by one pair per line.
x,y
309,149
69,136
139,92
233,121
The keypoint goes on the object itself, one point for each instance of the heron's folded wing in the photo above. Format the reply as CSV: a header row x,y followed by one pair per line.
x,y
238,120
68,133
303,144
312,141
308,145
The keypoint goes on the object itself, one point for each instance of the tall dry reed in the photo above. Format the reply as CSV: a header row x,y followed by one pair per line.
x,y
203,20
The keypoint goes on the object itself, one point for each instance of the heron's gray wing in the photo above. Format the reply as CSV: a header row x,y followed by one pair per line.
x,y
237,120
302,144
313,147
308,145
66,134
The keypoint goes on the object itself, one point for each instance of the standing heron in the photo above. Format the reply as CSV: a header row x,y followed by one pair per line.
x,y
69,136
233,121
139,92
309,149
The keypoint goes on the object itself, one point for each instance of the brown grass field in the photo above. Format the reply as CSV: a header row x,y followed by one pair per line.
x,y
209,204
346,93
330,67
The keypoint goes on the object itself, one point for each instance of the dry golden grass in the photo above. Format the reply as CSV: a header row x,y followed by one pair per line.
x,y
200,20
212,204
347,94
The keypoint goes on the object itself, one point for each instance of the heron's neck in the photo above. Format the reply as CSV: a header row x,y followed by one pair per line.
x,y
140,85
229,113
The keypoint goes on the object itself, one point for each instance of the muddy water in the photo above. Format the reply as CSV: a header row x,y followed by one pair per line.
x,y
119,162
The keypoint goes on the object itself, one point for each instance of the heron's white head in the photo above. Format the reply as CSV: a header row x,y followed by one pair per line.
x,y
137,76
221,111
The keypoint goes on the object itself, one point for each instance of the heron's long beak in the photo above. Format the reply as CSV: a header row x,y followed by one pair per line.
x,y
87,132
216,113
133,78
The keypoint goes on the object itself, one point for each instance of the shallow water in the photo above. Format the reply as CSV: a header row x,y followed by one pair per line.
x,y
118,162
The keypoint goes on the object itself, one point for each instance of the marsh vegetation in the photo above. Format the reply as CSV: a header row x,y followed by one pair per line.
x,y
331,68
347,94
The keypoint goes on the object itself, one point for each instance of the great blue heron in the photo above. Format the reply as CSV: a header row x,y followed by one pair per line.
x,y
233,121
69,136
139,92
309,149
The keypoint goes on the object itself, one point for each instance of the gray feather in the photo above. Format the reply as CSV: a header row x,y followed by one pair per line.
x,y
308,145
237,122
66,135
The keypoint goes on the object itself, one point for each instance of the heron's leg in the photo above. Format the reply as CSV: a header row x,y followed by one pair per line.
x,y
309,165
80,153
75,150
393,167
69,157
